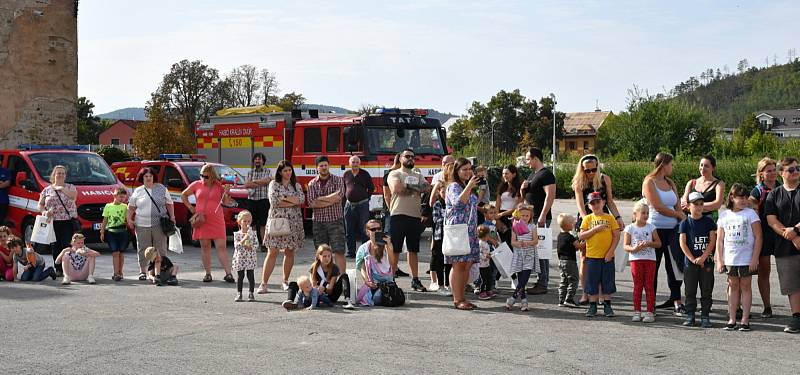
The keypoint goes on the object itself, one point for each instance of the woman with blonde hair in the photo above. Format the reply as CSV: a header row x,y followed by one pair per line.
x,y
57,202
208,218
665,213
589,178
766,181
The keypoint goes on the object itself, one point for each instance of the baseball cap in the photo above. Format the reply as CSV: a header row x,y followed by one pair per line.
x,y
695,196
593,196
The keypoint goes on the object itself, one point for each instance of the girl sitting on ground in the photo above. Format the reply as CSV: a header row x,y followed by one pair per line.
x,y
77,261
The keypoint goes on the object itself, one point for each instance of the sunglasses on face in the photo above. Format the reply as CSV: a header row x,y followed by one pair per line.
x,y
374,229
793,169
205,176
590,170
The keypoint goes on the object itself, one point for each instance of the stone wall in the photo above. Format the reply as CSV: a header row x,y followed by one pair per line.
x,y
38,72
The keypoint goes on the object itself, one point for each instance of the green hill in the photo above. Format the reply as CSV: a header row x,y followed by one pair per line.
x,y
730,97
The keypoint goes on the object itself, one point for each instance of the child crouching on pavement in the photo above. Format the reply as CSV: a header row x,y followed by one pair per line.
x,y
487,276
33,263
303,294
601,232
567,248
160,270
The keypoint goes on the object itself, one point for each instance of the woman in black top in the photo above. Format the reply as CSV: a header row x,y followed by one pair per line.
x,y
712,188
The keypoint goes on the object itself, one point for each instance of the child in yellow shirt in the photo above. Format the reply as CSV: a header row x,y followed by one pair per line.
x,y
601,233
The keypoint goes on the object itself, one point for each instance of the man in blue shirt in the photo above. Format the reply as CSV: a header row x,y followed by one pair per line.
x,y
5,182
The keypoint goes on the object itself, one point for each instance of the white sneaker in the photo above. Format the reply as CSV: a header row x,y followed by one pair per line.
x,y
65,281
444,292
348,306
91,279
433,287
637,316
285,286
649,317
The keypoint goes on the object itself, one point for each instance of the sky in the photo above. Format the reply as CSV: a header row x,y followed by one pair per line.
x,y
429,54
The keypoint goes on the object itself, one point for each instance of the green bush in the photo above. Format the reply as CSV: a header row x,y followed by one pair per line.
x,y
112,154
627,176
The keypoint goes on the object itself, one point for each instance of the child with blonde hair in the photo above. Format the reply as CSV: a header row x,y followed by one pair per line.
x,y
601,232
77,261
525,259
305,295
245,247
640,240
160,270
567,246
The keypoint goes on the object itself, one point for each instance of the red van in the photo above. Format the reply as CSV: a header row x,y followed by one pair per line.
x,y
176,172
30,168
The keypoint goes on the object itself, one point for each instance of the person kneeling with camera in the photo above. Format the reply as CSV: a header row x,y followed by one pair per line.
x,y
372,261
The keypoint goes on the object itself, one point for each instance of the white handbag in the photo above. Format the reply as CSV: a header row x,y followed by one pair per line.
x,y
545,246
455,239
175,242
43,232
278,227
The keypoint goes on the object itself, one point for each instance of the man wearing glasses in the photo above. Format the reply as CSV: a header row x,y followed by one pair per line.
x,y
539,190
325,193
407,187
783,215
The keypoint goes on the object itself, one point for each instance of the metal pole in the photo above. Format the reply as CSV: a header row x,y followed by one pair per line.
x,y
555,145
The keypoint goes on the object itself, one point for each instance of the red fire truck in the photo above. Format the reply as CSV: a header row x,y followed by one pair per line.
x,y
302,136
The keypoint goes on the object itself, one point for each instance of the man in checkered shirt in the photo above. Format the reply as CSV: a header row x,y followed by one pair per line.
x,y
258,180
325,194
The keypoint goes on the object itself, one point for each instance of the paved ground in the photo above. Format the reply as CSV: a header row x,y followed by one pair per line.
x,y
132,327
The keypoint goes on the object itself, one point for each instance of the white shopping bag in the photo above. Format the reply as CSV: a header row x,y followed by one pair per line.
x,y
545,246
354,285
43,232
175,242
620,258
502,259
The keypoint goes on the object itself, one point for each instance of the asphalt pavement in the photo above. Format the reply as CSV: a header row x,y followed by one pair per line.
x,y
132,327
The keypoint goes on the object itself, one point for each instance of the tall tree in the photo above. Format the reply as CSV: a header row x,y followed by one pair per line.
x,y
162,133
185,89
367,109
291,101
245,85
269,87
89,125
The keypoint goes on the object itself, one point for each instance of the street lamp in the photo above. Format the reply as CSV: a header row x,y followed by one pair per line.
x,y
553,97
495,121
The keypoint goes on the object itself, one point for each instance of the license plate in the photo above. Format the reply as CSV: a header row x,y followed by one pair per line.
x,y
96,226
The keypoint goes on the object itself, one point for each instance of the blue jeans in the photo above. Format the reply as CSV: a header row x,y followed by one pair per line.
x,y
356,216
37,273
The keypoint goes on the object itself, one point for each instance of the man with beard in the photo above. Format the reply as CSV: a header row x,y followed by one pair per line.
x,y
258,179
358,190
539,190
325,193
407,187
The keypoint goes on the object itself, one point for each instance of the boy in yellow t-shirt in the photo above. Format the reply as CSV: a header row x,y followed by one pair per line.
x,y
601,232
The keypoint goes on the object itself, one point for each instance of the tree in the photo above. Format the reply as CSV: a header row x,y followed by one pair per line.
x,y
269,87
162,133
461,132
652,124
743,65
291,101
367,109
245,85
89,125
187,86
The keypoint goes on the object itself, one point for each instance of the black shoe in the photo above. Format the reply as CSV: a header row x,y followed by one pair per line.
x,y
744,328
794,326
417,286
400,273
689,322
172,281
569,302
52,273
680,310
767,313
668,304
730,327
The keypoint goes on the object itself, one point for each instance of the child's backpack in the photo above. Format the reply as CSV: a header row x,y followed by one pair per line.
x,y
391,294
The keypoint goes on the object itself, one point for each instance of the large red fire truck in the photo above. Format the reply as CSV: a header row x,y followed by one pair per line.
x,y
302,136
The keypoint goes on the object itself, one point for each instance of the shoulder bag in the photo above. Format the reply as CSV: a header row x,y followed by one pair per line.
x,y
278,226
455,241
167,226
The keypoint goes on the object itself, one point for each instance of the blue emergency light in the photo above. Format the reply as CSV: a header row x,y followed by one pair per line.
x,y
30,147
182,157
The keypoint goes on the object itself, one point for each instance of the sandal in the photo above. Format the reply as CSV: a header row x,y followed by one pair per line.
x,y
207,278
228,278
464,305
262,289
142,276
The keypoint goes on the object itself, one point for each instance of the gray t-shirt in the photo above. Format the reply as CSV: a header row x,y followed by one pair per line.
x,y
22,259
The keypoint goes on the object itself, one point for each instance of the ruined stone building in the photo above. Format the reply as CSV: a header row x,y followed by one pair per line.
x,y
38,72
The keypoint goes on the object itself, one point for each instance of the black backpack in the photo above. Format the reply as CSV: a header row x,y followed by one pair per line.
x,y
391,294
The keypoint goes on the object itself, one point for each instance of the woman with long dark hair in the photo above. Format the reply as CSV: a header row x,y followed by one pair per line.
x,y
285,198
711,187
665,213
461,207
508,198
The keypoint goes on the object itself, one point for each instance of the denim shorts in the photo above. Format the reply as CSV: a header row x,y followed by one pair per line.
x,y
599,273
117,241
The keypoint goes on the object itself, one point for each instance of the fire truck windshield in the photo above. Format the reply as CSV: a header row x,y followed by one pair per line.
x,y
393,140
82,168
223,171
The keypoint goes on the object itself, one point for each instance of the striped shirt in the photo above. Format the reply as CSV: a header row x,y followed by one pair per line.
x,y
320,188
260,192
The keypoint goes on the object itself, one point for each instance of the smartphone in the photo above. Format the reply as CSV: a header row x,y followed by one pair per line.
x,y
379,238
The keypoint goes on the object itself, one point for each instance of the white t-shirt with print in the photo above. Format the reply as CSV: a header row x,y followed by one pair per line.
x,y
641,234
739,238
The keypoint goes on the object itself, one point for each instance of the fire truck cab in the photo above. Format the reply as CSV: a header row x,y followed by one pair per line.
x,y
302,136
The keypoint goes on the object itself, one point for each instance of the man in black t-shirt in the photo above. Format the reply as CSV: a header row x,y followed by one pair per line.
x,y
782,208
539,190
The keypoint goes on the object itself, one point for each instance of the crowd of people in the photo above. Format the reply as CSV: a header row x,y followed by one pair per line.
x,y
694,233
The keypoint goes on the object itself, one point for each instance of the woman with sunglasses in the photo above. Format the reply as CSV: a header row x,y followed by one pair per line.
x,y
209,218
285,198
588,179
146,206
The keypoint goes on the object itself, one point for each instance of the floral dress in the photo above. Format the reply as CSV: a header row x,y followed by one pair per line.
x,y
457,212
526,258
244,259
277,191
